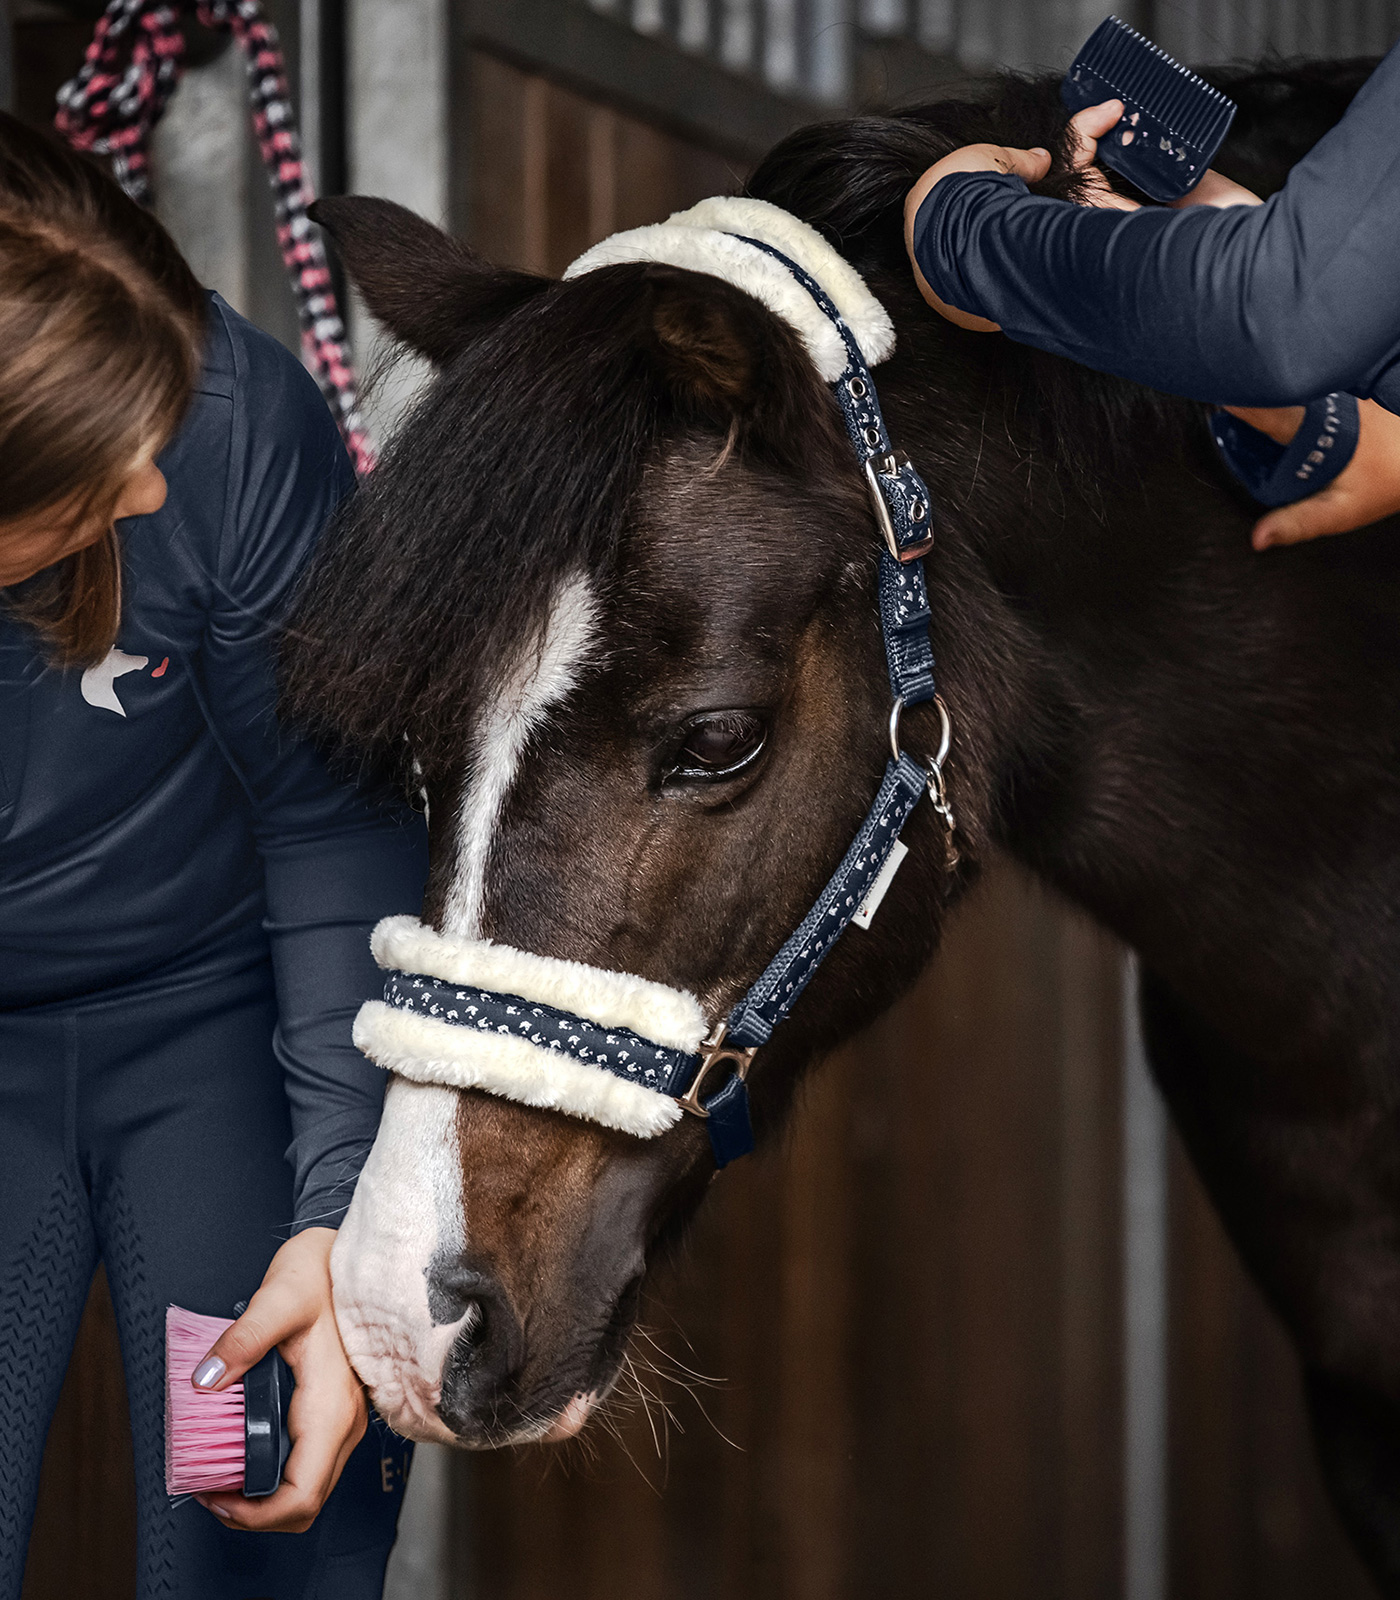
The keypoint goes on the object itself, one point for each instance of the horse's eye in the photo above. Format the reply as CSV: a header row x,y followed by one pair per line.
x,y
720,744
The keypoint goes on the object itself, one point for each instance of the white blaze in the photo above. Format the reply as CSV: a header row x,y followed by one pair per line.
x,y
408,1207
540,677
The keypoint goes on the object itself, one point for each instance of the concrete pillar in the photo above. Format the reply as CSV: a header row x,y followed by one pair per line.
x,y
397,139
200,171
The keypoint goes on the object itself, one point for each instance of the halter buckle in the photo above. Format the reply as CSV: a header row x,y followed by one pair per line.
x,y
715,1050
889,468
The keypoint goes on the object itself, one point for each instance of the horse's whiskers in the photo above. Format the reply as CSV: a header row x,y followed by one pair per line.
x,y
663,1354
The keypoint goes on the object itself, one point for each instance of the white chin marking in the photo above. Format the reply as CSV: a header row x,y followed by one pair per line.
x,y
543,673
570,1420
407,1208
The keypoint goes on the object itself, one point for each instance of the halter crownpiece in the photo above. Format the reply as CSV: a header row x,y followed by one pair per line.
x,y
734,238
611,1047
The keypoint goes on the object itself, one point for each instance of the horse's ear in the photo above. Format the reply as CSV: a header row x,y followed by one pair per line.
x,y
729,360
705,344
428,289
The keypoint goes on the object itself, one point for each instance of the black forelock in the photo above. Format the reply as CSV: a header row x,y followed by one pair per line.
x,y
516,468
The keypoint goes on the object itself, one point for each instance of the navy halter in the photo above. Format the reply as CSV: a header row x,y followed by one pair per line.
x,y
903,510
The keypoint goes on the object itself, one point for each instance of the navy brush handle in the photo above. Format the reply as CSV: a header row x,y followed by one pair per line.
x,y
267,1392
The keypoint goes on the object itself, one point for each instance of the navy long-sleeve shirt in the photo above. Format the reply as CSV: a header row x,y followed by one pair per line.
x,y
1250,305
156,825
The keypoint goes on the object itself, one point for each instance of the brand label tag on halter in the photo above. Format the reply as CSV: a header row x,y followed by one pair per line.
x,y
884,878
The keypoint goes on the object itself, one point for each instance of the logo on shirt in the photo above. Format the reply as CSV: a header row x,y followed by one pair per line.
x,y
98,684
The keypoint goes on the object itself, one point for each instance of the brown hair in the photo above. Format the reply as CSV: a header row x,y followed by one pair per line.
x,y
100,332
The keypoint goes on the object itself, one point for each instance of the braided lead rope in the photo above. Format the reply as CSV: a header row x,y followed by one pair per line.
x,y
130,70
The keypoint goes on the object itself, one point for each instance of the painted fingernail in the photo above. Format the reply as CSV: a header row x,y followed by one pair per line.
x,y
208,1372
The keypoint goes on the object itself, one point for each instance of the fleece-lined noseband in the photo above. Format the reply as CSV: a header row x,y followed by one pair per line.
x,y
611,1047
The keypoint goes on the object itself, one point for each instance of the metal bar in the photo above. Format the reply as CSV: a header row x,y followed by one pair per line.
x,y
693,26
884,17
696,98
648,16
205,191
1145,1243
419,1568
780,68
737,41
830,41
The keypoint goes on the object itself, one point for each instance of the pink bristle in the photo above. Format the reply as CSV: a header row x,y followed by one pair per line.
x,y
203,1432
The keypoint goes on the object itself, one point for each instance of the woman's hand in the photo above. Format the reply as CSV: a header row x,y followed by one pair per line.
x,y
1364,491
1032,165
1087,127
292,1310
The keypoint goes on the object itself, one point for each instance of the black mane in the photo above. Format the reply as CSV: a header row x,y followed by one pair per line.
x,y
520,463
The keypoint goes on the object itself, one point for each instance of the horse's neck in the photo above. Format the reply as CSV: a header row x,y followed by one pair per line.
x,y
1198,753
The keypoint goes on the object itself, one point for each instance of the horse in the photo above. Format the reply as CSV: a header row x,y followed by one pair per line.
x,y
610,604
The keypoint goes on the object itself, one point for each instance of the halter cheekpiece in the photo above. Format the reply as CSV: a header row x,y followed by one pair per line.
x,y
611,1047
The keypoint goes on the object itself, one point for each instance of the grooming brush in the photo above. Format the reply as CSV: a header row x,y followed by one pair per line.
x,y
1173,122
231,1441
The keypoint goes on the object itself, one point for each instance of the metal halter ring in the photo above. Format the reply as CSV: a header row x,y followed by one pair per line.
x,y
937,791
945,726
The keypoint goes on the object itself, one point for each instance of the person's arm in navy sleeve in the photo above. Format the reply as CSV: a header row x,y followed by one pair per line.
x,y
334,862
1256,306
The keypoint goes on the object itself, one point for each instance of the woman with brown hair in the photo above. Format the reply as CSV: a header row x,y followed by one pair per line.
x,y
185,892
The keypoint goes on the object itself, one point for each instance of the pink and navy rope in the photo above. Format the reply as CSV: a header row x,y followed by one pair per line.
x,y
129,72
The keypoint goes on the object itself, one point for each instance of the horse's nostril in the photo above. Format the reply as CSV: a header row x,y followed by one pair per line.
x,y
477,1330
480,1373
453,1287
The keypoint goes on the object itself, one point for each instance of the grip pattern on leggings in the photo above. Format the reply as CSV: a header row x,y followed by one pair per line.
x,y
141,1321
41,1303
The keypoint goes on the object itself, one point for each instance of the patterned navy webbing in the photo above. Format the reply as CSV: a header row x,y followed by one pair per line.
x,y
904,612
618,1050
790,971
904,620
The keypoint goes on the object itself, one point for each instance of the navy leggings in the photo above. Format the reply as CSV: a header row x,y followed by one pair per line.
x,y
148,1129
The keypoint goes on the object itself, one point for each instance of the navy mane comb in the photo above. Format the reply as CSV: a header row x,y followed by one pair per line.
x,y
1173,121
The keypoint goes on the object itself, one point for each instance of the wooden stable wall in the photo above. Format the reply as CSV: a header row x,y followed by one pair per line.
x,y
913,1308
